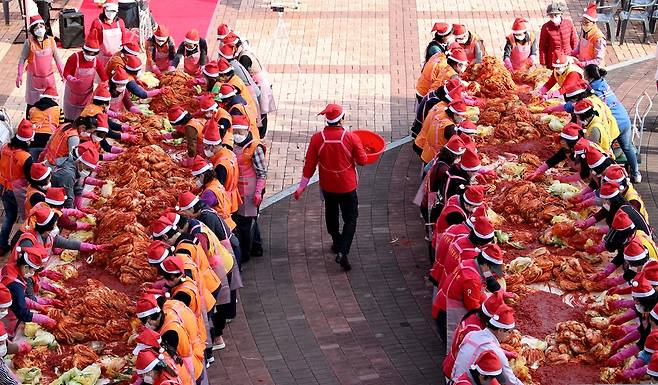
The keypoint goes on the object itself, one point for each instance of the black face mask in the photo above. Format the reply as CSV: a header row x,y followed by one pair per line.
x,y
629,275
492,285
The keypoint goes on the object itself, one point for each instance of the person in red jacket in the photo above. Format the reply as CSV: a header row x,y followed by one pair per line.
x,y
336,152
557,34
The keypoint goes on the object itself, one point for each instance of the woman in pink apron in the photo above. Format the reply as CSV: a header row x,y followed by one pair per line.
x,y
160,51
194,53
108,29
39,51
80,70
520,47
120,101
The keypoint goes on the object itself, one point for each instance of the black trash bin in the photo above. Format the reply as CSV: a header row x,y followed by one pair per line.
x,y
71,28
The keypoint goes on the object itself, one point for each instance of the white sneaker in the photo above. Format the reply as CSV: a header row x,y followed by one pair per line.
x,y
637,178
229,320
219,345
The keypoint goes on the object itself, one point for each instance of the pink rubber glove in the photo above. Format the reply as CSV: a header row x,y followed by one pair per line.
x,y
159,284
73,213
34,305
583,224
82,226
599,249
621,303
19,77
89,247
189,365
575,177
302,186
135,110
589,202
258,195
44,321
110,157
531,61
152,93
552,95
125,127
603,274
50,302
46,285
90,195
113,114
116,150
23,347
620,357
539,171
54,275
88,210
542,90
614,281
632,373
630,337
168,136
510,355
556,108
508,64
95,181
623,318
186,162
171,68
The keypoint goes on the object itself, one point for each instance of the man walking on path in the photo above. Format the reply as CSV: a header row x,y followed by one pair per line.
x,y
337,152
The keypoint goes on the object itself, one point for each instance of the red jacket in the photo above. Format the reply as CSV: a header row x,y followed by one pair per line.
x,y
552,38
464,284
460,250
336,152
441,245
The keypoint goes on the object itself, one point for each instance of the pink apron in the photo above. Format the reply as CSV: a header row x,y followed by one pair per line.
x,y
77,93
116,103
161,59
520,53
266,98
39,71
246,185
111,42
191,63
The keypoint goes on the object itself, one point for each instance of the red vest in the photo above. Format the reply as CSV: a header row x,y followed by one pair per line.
x,y
441,246
453,205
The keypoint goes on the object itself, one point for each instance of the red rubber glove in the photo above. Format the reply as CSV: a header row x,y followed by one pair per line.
x,y
90,195
258,199
24,347
88,210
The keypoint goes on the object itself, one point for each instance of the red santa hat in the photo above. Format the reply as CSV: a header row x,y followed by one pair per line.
x,y
200,165
102,92
480,211
615,173
503,318
173,264
5,297
192,36
470,161
581,147
161,32
186,201
482,227
226,91
132,47
451,84
147,304
56,196
458,55
33,255
455,145
652,368
640,287
231,38
120,76
87,154
590,12
211,134
583,106
493,302
560,59
455,93
573,86
595,158
163,225
148,339
468,127
157,252
651,273
133,63
222,31
570,132
223,66
520,25
492,253
91,44
651,343
42,215
227,51
459,31
240,122
102,123
458,107
25,131
474,195
333,113
34,20
207,103
176,114
211,69
39,171
609,190
442,29
635,250
622,221
147,360
112,5
488,364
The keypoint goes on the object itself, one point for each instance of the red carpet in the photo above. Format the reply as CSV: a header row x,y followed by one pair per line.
x,y
178,15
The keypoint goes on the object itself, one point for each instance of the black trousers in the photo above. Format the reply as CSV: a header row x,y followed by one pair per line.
x,y
247,231
347,205
442,325
262,130
129,13
43,8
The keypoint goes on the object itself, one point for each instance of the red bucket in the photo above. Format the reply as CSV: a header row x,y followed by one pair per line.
x,y
373,144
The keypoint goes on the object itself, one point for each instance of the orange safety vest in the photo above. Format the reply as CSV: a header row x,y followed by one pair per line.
x,y
190,266
190,288
242,109
183,376
229,161
28,195
45,121
426,78
252,107
194,250
58,145
222,114
441,74
198,126
181,320
12,162
223,206
587,45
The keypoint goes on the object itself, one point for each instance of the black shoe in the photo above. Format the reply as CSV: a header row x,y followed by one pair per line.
x,y
334,248
258,252
338,256
344,263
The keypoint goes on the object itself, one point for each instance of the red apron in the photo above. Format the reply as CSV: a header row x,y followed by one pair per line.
x,y
77,94
191,63
39,70
111,41
161,58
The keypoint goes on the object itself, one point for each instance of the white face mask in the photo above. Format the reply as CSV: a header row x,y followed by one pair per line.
x,y
462,40
120,89
54,232
47,186
208,153
110,14
3,313
147,379
40,31
239,138
198,183
96,138
160,41
556,19
88,57
519,37
3,350
640,308
606,206
84,173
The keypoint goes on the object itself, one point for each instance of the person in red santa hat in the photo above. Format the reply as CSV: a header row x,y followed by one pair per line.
x,y
39,51
438,129
486,370
55,197
129,48
80,71
186,127
520,50
564,72
193,51
228,51
160,368
336,152
442,39
108,30
470,42
160,51
46,116
460,206
227,75
213,192
591,46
